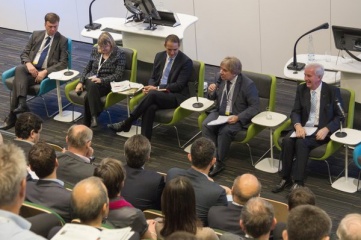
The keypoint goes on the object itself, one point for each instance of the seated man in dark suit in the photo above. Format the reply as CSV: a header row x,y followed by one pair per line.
x,y
167,88
315,106
142,188
236,96
226,218
48,190
208,193
75,163
45,52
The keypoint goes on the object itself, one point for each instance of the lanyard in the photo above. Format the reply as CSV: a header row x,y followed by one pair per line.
x,y
101,64
228,93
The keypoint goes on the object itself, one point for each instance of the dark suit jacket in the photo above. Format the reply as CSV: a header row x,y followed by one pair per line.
x,y
50,194
329,115
128,217
57,57
25,146
226,218
143,188
245,101
72,168
208,193
178,77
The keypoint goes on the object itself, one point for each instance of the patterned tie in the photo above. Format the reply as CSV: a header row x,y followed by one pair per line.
x,y
223,107
312,116
164,79
43,54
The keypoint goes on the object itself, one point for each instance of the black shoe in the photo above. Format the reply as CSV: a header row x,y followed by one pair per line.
x,y
123,126
282,185
295,186
94,122
217,168
21,109
9,122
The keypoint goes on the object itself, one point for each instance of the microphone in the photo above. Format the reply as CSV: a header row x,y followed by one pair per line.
x,y
340,134
68,73
296,65
197,104
91,25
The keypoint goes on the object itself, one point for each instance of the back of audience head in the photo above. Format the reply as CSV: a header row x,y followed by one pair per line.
x,y
202,153
316,224
350,227
79,136
179,207
90,202
112,173
245,187
12,177
42,159
301,196
28,126
181,235
137,151
257,217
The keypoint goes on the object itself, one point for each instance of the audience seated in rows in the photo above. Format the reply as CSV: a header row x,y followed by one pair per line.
x,y
350,227
226,218
179,209
208,193
142,188
12,188
308,222
121,213
48,190
75,163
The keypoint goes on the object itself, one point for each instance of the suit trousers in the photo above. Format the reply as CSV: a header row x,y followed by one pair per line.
x,y
146,109
22,81
93,105
299,148
221,135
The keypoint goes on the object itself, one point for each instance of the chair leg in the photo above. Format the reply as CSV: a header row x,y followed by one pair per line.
x,y
110,118
250,153
329,172
176,130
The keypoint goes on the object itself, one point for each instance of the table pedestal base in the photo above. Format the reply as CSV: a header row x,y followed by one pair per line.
x,y
67,116
268,165
133,131
346,184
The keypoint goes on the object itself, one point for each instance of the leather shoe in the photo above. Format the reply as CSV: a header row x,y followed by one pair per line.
x,y
9,122
21,109
217,168
295,186
282,185
120,126
94,122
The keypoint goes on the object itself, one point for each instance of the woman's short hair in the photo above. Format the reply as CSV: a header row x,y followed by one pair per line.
x,y
106,39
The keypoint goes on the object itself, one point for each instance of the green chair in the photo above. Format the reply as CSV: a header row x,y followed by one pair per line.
x,y
266,86
29,209
130,73
323,152
37,90
170,117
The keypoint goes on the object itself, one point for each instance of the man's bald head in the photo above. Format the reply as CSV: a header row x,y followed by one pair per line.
x,y
78,136
245,187
350,227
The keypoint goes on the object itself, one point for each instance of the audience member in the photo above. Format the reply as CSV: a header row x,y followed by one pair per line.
x,y
106,65
179,209
45,52
226,218
121,213
307,222
301,196
315,106
238,100
75,163
167,87
143,188
208,193
48,190
181,235
12,188
350,227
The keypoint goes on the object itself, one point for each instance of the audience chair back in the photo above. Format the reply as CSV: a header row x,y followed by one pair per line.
x,y
130,73
37,90
280,210
152,214
29,209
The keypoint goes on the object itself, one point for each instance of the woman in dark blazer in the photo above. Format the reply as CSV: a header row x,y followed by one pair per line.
x,y
106,64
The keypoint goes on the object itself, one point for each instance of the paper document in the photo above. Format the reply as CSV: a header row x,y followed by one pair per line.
x,y
125,85
309,131
219,121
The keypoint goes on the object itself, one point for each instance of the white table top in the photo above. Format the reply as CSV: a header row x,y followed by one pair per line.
x,y
188,104
353,137
59,75
262,120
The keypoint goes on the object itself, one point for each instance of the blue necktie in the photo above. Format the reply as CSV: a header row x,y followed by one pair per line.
x,y
164,79
43,54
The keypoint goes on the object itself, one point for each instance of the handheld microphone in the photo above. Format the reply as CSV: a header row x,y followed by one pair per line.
x,y
340,108
68,73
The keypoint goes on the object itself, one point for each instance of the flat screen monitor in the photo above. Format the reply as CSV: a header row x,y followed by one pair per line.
x,y
347,38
